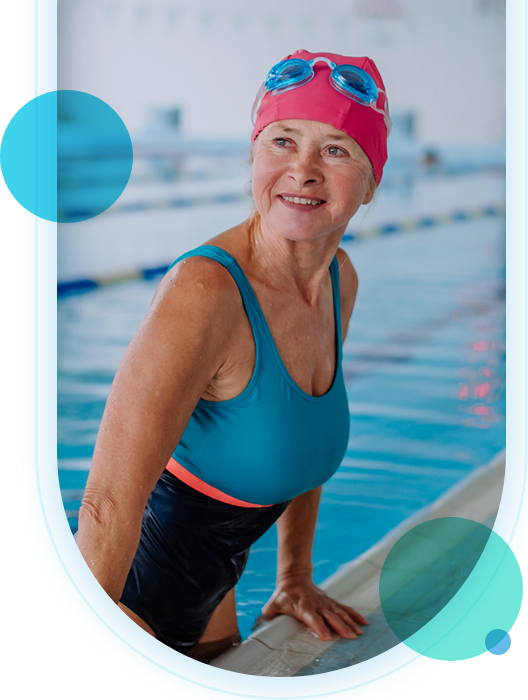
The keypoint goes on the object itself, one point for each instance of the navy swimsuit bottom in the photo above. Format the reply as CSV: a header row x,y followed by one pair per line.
x,y
192,551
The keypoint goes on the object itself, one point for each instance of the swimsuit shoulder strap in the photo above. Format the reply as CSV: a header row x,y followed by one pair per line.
x,y
254,311
334,273
251,304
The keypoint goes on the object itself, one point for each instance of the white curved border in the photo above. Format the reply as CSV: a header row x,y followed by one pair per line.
x,y
62,563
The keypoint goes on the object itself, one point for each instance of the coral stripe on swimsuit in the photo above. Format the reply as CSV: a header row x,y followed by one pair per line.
x,y
195,483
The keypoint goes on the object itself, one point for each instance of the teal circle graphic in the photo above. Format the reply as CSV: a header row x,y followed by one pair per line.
x,y
66,156
446,584
498,642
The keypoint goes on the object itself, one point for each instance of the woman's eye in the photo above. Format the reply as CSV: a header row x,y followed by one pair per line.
x,y
281,142
334,151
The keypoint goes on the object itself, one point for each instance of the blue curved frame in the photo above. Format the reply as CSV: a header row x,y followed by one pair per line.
x,y
67,574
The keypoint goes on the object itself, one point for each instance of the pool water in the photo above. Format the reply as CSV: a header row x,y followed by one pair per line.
x,y
424,366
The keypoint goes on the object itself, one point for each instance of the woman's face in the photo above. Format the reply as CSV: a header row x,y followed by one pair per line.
x,y
313,161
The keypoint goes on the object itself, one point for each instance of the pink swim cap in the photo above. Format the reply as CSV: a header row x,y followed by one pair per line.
x,y
319,101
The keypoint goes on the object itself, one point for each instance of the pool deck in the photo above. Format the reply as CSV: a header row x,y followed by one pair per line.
x,y
285,647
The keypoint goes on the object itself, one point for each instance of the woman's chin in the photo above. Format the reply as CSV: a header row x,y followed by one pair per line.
x,y
297,231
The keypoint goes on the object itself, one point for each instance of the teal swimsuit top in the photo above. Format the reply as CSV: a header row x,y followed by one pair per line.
x,y
273,441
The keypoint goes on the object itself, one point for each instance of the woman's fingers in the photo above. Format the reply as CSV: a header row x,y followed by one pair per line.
x,y
341,620
324,624
269,614
343,627
351,619
354,614
341,623
320,613
316,623
270,611
304,612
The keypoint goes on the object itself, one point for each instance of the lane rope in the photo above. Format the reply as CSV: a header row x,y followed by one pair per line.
x,y
405,225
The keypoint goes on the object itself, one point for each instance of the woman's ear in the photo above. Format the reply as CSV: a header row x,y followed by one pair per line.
x,y
372,185
370,193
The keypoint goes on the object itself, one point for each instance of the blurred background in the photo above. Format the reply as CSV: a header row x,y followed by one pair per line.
x,y
424,358
183,76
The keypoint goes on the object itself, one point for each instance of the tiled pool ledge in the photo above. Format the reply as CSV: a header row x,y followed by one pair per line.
x,y
284,647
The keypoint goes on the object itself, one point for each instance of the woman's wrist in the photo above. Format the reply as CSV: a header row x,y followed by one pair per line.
x,y
293,576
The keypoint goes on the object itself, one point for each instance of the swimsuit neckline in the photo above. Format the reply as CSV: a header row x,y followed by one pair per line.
x,y
282,366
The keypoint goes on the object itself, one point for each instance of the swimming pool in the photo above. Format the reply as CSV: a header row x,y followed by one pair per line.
x,y
424,366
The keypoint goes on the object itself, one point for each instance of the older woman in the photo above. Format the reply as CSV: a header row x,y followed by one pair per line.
x,y
229,409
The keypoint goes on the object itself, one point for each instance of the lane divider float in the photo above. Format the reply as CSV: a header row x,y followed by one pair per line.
x,y
406,225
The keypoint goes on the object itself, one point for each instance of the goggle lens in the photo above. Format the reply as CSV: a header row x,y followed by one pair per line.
x,y
350,80
357,82
287,73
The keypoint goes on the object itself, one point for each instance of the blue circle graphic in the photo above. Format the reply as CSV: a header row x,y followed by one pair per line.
x,y
498,642
66,156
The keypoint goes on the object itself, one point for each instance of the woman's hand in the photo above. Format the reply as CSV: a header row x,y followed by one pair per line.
x,y
300,598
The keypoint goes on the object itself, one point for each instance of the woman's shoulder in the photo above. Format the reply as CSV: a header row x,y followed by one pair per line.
x,y
199,268
202,284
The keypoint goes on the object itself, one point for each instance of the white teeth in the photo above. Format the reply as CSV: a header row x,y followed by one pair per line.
x,y
302,200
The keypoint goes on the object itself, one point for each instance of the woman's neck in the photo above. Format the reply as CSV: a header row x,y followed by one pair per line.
x,y
289,265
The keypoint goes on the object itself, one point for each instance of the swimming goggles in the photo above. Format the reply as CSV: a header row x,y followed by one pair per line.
x,y
349,80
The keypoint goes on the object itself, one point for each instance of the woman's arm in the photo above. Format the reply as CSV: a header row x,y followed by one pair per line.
x,y
295,592
296,532
179,347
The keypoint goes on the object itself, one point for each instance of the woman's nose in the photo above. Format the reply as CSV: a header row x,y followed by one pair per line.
x,y
305,169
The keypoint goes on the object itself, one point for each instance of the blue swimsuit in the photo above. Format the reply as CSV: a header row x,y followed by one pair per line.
x,y
273,441
266,446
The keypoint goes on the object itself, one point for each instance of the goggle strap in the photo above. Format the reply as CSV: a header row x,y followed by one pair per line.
x,y
262,91
328,62
256,104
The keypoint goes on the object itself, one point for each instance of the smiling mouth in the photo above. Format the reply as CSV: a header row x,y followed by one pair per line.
x,y
303,200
